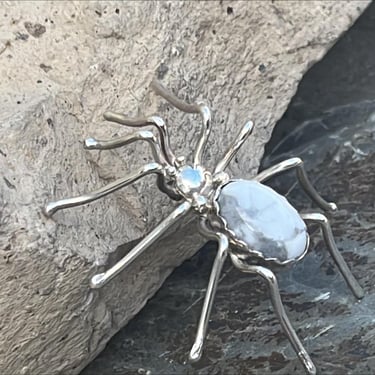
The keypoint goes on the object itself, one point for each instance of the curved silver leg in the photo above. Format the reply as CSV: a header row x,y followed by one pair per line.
x,y
222,252
162,91
271,280
234,147
205,133
199,108
141,135
53,207
302,178
163,187
137,122
101,279
336,255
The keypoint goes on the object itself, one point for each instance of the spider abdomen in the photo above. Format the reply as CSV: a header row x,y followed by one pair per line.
x,y
262,221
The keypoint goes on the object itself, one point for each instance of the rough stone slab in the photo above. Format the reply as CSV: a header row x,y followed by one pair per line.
x,y
62,66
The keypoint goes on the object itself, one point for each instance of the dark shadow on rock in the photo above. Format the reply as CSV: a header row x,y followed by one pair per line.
x,y
346,75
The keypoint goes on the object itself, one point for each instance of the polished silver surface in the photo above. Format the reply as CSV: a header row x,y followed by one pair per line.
x,y
205,133
199,108
101,279
335,253
199,190
137,122
309,189
222,252
271,280
141,135
53,207
234,147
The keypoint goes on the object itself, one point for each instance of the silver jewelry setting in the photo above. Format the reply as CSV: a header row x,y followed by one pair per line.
x,y
198,190
241,248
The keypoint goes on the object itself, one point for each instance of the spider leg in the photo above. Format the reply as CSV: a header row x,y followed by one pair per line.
x,y
140,135
101,279
302,178
234,147
335,253
137,122
271,280
53,207
223,242
199,108
205,133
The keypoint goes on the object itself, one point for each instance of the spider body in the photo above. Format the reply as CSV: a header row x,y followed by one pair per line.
x,y
261,224
251,223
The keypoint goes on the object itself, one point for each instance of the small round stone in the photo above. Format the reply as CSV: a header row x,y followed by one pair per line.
x,y
190,180
263,220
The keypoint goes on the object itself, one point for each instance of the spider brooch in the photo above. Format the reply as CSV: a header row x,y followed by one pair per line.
x,y
251,223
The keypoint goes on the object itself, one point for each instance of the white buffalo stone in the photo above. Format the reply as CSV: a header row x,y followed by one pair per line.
x,y
263,220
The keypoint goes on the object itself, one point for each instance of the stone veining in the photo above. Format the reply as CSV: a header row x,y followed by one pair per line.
x,y
263,220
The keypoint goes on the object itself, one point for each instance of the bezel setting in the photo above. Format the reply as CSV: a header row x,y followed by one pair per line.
x,y
241,248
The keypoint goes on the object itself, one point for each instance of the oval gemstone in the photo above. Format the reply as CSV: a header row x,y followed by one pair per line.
x,y
190,179
262,219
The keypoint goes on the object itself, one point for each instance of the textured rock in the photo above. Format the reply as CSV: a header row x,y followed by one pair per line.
x,y
262,219
62,66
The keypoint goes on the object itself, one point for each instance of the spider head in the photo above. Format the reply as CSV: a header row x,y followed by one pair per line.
x,y
190,180
194,184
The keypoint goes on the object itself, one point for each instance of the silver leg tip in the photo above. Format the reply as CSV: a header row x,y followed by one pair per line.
x,y
107,115
98,281
359,292
196,352
307,362
49,209
249,126
90,143
332,207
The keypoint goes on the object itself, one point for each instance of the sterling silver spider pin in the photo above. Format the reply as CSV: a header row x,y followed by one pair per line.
x,y
251,223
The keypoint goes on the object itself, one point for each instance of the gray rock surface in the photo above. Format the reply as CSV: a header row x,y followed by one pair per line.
x,y
62,66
